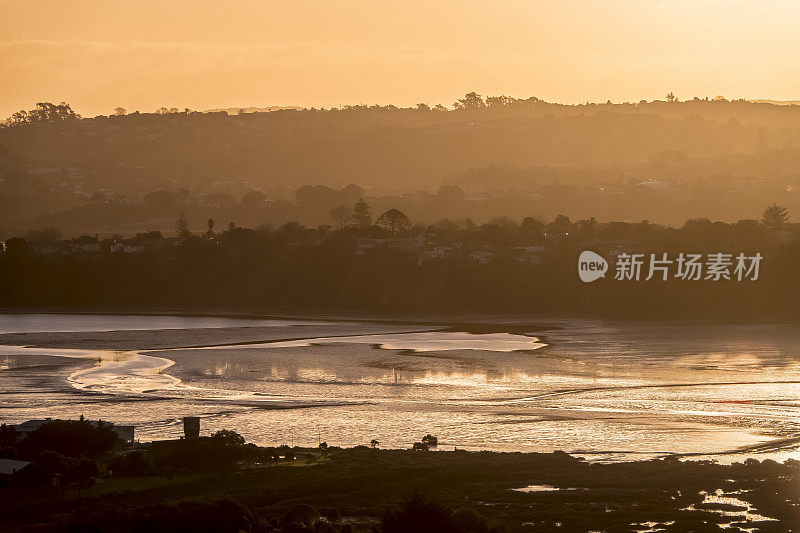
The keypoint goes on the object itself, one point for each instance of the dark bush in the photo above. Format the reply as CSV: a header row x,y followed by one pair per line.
x,y
129,465
72,438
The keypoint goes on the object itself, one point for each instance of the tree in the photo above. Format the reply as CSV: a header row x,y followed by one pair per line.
x,y
374,443
228,438
8,435
430,441
499,101
85,470
129,465
17,246
418,513
210,231
671,97
44,112
219,199
775,217
341,215
182,228
72,438
54,463
48,234
450,194
161,199
362,214
394,220
560,223
587,227
531,226
470,101
119,111
254,199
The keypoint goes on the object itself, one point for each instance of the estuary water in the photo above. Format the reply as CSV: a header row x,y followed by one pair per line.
x,y
604,390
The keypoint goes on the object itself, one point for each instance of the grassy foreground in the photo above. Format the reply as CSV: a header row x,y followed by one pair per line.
x,y
361,489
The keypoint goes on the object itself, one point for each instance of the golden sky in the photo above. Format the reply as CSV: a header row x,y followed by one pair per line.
x,y
201,54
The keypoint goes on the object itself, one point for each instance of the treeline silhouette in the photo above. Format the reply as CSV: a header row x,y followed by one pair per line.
x,y
662,160
321,205
450,266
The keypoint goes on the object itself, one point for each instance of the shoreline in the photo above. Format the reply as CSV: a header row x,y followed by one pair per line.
x,y
541,321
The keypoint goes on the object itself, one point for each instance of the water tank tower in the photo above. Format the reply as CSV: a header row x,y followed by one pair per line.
x,y
191,427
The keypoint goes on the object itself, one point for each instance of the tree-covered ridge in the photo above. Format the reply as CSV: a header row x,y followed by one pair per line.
x,y
664,161
449,266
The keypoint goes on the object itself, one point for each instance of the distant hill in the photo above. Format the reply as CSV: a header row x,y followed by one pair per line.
x,y
777,102
237,110
723,160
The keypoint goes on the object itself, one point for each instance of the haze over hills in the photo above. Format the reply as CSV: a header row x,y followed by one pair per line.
x,y
238,110
664,161
777,102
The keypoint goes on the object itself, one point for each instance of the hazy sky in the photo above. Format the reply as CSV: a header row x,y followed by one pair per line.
x,y
201,54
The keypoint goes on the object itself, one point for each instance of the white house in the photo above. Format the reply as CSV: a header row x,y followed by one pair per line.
x,y
531,255
482,256
122,247
435,252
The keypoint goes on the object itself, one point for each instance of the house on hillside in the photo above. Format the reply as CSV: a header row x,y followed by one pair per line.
x,y
482,256
86,245
10,467
530,255
365,243
128,246
435,252
21,473
406,243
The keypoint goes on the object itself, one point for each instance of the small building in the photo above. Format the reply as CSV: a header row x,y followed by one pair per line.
x,y
87,245
363,244
435,252
126,433
530,255
129,246
10,467
482,256
22,473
